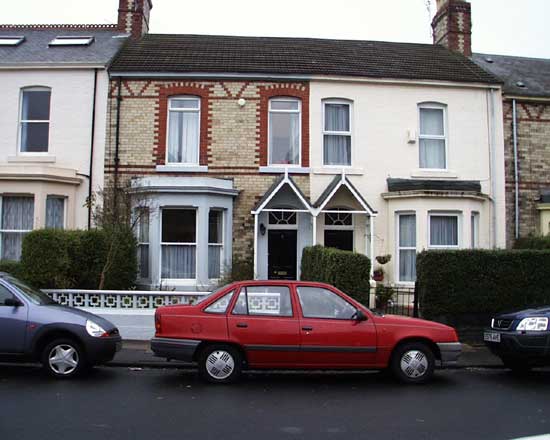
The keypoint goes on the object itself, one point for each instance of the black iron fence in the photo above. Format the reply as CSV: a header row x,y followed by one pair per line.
x,y
403,301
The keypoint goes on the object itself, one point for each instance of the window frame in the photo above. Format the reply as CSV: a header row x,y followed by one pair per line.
x,y
163,243
197,110
54,196
350,228
138,213
244,289
349,133
399,248
444,137
302,315
222,239
32,121
20,231
269,129
456,215
474,231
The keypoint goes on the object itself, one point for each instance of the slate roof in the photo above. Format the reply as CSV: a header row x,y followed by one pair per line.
x,y
433,185
534,73
274,186
175,53
35,49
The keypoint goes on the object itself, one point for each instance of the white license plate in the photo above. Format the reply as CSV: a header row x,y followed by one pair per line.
x,y
491,337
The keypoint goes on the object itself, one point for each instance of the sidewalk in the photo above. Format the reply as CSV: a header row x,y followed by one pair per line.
x,y
138,354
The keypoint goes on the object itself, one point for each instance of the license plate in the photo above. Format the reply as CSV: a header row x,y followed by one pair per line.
x,y
491,337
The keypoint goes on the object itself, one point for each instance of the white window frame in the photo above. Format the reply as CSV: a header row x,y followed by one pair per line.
x,y
176,281
404,248
458,216
147,243
197,110
338,133
434,106
14,230
269,146
220,245
22,121
340,227
474,232
55,196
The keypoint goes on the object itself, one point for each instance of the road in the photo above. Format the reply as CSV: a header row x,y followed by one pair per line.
x,y
163,404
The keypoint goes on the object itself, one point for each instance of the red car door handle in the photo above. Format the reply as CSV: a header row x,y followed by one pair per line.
x,y
307,329
242,325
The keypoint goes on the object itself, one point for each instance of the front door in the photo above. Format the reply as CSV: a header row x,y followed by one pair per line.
x,y
281,248
13,324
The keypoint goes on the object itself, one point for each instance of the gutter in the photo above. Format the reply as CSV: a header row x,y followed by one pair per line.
x,y
92,143
516,167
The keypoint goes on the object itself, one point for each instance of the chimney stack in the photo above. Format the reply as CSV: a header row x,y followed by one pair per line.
x,y
133,17
452,26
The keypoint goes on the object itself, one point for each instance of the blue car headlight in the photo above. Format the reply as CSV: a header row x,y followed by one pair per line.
x,y
536,324
95,330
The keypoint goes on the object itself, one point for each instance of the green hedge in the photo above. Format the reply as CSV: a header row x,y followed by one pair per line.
x,y
468,286
348,271
75,259
11,267
533,242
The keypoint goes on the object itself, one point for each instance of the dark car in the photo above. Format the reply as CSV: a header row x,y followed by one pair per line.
x,y
521,339
65,340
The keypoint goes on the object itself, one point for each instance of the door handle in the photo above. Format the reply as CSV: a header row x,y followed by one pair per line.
x,y
242,325
307,329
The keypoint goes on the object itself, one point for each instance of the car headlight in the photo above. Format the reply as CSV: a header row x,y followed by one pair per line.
x,y
95,330
533,324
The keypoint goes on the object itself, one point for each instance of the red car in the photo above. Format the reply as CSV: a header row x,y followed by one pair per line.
x,y
298,325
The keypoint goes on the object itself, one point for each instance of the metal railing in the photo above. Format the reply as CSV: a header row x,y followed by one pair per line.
x,y
404,301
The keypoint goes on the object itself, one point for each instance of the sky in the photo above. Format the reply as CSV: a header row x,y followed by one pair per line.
x,y
507,27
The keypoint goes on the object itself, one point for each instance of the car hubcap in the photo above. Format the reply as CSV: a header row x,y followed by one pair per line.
x,y
220,364
414,364
63,359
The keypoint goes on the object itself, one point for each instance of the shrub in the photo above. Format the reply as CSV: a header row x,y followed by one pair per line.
x,y
242,269
533,242
468,286
348,271
11,267
78,259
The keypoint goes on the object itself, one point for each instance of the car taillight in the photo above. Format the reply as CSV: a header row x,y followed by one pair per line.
x,y
158,326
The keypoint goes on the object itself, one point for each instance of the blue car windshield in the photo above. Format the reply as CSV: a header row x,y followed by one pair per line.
x,y
36,296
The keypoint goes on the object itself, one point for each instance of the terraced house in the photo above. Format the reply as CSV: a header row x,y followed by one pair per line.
x,y
258,147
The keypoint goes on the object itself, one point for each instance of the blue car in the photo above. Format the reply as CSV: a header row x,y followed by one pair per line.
x,y
65,340
521,339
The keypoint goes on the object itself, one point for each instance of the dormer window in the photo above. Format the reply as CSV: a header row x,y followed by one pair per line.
x,y
11,41
71,41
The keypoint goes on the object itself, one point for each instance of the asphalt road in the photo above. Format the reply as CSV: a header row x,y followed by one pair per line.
x,y
163,404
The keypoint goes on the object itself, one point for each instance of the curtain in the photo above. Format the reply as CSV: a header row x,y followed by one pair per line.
x,y
178,262
214,261
143,259
431,122
432,153
337,117
284,138
337,150
55,212
36,107
17,215
407,239
183,137
443,231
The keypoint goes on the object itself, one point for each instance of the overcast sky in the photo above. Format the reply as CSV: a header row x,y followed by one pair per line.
x,y
509,27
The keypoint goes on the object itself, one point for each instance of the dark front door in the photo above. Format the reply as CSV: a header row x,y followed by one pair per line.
x,y
281,260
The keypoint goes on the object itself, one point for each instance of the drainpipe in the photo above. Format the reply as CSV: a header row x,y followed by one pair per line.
x,y
516,167
117,139
493,164
92,142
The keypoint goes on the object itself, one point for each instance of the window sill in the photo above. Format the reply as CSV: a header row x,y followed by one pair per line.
x,y
182,168
39,158
338,170
281,170
445,174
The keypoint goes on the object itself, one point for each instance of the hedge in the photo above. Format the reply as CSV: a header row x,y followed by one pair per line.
x,y
75,259
469,286
11,267
533,242
348,271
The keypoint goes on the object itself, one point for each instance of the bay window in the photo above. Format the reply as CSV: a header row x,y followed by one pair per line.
x,y
407,247
143,241
337,133
443,230
284,131
178,243
55,212
215,243
16,220
183,130
433,138
474,232
34,130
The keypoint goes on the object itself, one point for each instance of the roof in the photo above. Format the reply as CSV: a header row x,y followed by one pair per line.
x,y
35,49
433,185
336,182
534,73
275,187
175,53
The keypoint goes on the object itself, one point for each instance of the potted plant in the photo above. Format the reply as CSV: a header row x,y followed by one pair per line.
x,y
383,259
384,294
378,274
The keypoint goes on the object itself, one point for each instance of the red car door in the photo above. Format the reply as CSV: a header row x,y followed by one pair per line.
x,y
264,321
331,336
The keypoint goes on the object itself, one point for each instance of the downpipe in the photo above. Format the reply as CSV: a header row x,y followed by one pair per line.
x,y
516,167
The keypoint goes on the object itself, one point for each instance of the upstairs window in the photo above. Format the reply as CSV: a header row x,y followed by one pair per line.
x,y
284,131
35,120
183,130
433,139
337,133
